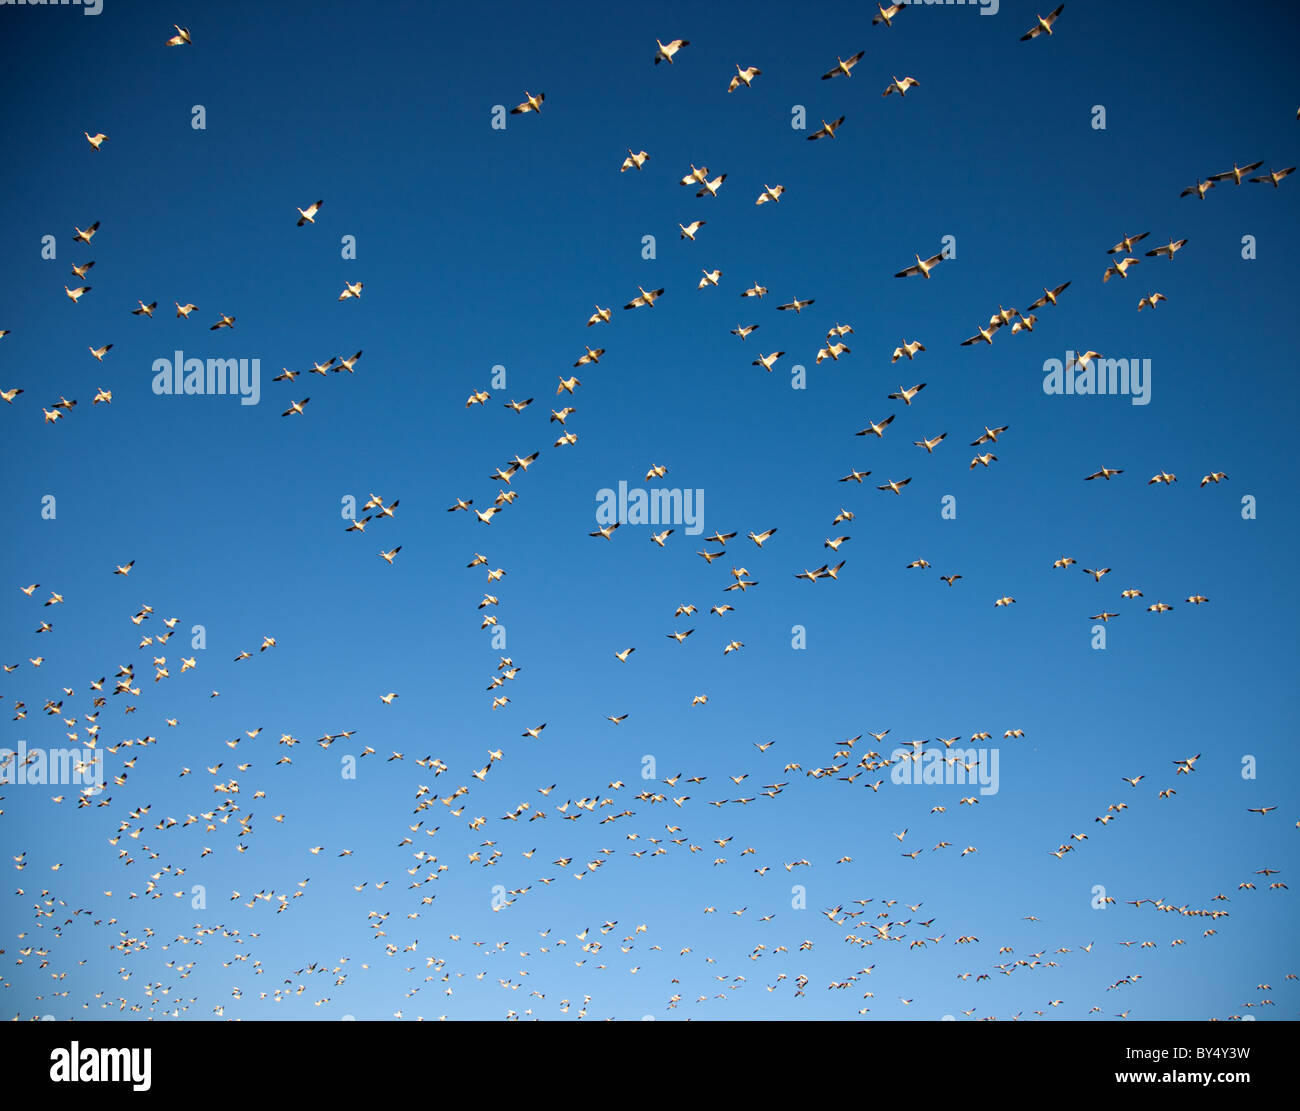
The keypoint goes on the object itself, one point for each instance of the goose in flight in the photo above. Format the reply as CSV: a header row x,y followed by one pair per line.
x,y
1063,562
1214,476
743,77
990,435
950,579
877,430
308,215
797,305
100,352
1125,245
634,160
606,531
644,298
623,655
295,407
901,87
1193,600
1043,26
1005,600
755,290
1168,250
590,357
908,349
96,141
767,361
895,485
855,476
1097,572
827,130
689,230
75,295
530,104
1120,267
181,38
711,277
922,267
1106,473
930,445
224,322
770,193
568,384
665,52
711,187
833,351
1274,177
144,310
697,175
1050,295
1159,607
351,289
843,67
1162,477
184,310
984,460
887,15
106,396
984,335
1151,300
906,395
744,330
1200,189
87,235
1024,324
1236,173
761,537
599,316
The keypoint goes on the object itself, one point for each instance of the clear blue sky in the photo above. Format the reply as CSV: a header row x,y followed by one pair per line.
x,y
480,247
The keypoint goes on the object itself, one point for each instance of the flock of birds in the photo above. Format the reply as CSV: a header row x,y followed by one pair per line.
x,y
693,804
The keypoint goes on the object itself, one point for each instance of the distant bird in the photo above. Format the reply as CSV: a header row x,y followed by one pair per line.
x,y
689,230
827,130
1168,250
743,331
770,193
922,267
906,395
887,15
1043,26
96,141
743,77
644,298
295,407
907,349
224,322
711,187
1151,300
308,215
1119,267
144,310
1050,295
1236,173
1274,177
599,316
842,67
901,87
530,104
351,289
181,38
87,235
665,53
1214,476
634,160
796,305
1200,189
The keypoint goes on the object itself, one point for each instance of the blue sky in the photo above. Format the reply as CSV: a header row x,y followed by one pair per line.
x,y
481,247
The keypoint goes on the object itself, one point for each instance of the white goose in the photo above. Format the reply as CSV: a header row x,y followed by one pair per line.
x,y
743,77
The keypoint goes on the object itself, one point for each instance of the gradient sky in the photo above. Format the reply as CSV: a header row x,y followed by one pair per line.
x,y
480,247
